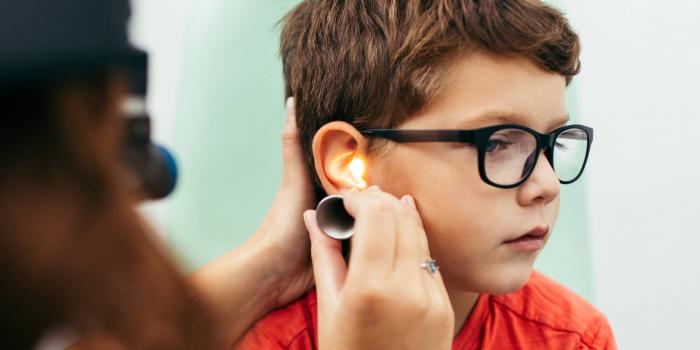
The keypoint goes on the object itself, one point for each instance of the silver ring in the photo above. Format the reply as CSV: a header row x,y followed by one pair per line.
x,y
431,266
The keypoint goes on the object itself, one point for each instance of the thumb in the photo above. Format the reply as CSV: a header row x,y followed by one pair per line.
x,y
294,163
328,262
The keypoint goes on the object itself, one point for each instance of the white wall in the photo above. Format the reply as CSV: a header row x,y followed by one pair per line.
x,y
639,90
159,27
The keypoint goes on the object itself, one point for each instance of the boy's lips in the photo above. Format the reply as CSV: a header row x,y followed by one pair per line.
x,y
531,241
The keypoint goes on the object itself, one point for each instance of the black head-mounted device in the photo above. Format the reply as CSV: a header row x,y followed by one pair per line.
x,y
50,38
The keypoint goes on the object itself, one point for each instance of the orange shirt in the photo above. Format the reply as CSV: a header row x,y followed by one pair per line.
x,y
541,315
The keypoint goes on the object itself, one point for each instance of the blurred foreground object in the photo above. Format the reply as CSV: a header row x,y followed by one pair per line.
x,y
43,41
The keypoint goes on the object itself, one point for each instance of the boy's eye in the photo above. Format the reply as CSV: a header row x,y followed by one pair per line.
x,y
561,146
497,145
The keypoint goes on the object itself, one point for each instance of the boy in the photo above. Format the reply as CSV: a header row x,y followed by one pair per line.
x,y
461,104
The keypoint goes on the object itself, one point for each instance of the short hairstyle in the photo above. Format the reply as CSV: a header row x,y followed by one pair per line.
x,y
372,63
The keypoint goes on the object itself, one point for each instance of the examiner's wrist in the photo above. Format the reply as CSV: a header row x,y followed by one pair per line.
x,y
261,255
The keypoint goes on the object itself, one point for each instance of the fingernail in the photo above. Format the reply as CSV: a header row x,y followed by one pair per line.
x,y
373,188
408,199
307,218
290,107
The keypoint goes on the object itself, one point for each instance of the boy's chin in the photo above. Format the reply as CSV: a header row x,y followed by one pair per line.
x,y
502,281
510,280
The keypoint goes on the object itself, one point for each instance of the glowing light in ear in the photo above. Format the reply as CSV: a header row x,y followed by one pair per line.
x,y
357,170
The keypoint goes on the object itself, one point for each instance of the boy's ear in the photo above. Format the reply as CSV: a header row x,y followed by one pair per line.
x,y
340,157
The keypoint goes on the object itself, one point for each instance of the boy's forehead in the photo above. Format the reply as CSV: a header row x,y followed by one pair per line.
x,y
483,89
496,117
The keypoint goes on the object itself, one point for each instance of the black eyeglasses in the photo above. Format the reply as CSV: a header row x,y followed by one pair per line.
x,y
508,153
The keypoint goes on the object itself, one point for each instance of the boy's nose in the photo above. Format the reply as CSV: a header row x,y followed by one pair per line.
x,y
542,185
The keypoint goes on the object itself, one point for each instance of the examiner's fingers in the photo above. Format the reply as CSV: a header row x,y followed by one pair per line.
x,y
410,250
374,242
435,285
434,282
409,253
295,170
422,236
328,263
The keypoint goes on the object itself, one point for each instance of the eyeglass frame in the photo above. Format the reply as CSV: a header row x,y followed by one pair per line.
x,y
480,138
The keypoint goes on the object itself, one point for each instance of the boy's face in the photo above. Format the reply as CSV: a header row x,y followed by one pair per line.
x,y
468,222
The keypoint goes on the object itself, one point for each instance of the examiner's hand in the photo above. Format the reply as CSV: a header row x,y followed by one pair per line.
x,y
383,299
283,234
273,267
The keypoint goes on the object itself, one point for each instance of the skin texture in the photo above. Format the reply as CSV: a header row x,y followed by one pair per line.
x,y
466,220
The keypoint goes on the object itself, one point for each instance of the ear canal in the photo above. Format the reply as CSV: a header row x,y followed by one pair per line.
x,y
349,171
356,170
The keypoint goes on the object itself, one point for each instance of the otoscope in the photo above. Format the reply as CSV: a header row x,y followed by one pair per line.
x,y
331,216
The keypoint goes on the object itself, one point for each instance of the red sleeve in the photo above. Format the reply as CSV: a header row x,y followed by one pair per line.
x,y
258,339
292,327
604,339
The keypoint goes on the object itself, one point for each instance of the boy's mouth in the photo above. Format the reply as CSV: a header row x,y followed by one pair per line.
x,y
531,241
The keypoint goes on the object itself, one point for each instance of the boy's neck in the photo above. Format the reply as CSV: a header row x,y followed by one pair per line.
x,y
462,303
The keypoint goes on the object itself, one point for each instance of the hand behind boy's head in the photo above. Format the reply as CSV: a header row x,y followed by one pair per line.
x,y
450,64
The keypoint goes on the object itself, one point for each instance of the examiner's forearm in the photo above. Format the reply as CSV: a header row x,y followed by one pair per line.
x,y
239,287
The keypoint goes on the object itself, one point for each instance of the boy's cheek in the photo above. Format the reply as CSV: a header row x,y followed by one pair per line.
x,y
553,211
472,258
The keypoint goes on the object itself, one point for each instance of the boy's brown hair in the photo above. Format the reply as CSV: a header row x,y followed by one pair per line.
x,y
372,63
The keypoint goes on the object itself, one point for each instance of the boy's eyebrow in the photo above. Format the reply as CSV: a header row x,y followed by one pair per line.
x,y
495,117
